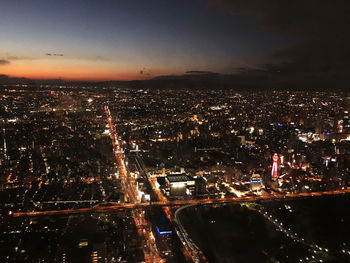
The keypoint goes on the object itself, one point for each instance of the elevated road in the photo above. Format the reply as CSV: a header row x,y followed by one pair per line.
x,y
137,205
144,228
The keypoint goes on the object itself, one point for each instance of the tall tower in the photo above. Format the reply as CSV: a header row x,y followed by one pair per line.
x,y
5,147
274,173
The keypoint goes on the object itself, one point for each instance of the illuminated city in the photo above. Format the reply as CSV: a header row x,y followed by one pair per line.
x,y
99,155
130,135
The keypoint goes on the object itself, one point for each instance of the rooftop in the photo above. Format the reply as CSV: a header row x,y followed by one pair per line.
x,y
178,178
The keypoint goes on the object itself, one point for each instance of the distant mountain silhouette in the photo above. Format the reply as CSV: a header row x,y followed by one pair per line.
x,y
245,79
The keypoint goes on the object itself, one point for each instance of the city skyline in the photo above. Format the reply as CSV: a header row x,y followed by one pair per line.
x,y
88,175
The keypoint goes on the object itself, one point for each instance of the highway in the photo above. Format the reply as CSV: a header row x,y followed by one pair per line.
x,y
138,205
191,248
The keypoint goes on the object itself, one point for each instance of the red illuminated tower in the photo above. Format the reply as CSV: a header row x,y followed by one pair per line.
x,y
274,173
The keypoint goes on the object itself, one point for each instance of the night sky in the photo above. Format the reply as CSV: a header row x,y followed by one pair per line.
x,y
134,39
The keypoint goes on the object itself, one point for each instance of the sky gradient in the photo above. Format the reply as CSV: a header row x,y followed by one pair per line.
x,y
129,39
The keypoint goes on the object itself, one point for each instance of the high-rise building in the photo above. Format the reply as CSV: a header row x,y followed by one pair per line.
x,y
256,182
274,171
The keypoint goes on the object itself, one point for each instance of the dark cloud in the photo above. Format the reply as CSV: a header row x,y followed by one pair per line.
x,y
144,71
269,14
320,27
4,62
200,72
315,17
54,54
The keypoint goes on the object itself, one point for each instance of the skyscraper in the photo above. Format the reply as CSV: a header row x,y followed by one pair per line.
x,y
274,171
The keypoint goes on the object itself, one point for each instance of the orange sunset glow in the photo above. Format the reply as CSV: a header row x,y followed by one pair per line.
x,y
70,70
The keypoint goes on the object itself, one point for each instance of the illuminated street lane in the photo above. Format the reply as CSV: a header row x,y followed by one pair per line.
x,y
143,227
121,206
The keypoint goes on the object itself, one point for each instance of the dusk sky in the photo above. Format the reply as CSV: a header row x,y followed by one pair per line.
x,y
119,40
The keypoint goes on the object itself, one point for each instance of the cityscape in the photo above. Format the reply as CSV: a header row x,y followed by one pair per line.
x,y
73,157
197,131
